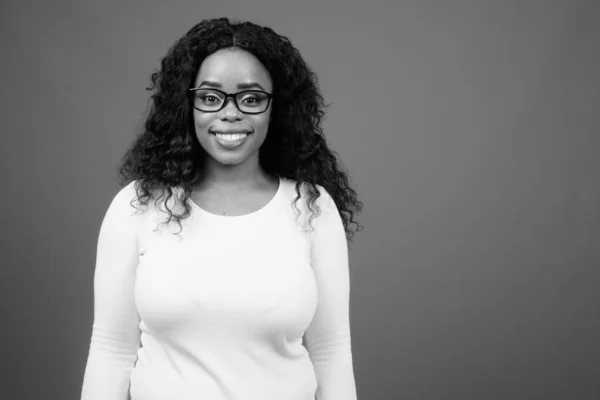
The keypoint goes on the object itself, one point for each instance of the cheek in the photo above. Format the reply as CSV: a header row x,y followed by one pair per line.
x,y
202,121
261,123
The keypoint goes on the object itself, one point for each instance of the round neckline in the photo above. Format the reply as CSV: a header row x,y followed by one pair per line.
x,y
253,213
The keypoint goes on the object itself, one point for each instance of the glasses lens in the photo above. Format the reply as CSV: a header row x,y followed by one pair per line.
x,y
208,100
252,102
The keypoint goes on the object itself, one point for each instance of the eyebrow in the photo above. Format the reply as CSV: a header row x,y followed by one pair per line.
x,y
248,85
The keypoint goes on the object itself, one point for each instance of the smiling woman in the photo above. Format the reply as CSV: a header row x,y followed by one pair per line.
x,y
243,291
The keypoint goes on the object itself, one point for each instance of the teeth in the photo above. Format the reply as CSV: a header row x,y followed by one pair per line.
x,y
233,137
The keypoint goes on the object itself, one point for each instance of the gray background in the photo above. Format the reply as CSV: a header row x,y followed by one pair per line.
x,y
470,131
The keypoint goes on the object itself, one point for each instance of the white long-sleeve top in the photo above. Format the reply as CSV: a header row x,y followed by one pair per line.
x,y
218,311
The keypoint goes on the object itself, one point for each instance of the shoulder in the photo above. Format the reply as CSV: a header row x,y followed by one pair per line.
x,y
310,198
124,199
124,209
291,187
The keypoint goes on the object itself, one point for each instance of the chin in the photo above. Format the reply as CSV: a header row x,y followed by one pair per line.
x,y
233,160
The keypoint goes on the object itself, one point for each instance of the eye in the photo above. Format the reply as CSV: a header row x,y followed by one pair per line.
x,y
250,99
207,98
253,99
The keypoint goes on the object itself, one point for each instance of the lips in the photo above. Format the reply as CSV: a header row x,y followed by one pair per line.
x,y
228,132
233,142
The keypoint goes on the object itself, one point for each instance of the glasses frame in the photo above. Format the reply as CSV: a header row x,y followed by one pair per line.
x,y
232,95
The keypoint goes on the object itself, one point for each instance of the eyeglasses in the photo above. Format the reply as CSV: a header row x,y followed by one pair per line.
x,y
248,101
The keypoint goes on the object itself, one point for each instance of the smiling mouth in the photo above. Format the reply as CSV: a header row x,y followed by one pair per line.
x,y
232,138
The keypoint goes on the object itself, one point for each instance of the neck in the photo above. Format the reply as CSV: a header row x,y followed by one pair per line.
x,y
233,177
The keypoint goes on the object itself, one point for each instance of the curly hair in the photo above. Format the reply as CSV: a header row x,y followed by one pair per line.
x,y
167,153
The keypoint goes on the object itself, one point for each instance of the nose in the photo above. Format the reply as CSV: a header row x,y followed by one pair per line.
x,y
230,111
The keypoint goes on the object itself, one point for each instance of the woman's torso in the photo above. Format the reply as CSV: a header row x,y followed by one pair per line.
x,y
224,305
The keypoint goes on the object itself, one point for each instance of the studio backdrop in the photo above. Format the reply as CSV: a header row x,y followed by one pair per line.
x,y
470,130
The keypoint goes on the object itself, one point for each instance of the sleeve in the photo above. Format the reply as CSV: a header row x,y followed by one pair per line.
x,y
328,336
115,333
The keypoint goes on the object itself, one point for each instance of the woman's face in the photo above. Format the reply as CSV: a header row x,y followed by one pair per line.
x,y
232,72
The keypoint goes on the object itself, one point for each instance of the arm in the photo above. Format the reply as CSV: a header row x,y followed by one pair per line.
x,y
328,336
115,333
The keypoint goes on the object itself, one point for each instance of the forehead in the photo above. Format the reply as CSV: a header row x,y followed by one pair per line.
x,y
232,67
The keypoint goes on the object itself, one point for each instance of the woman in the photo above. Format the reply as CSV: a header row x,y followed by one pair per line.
x,y
222,264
